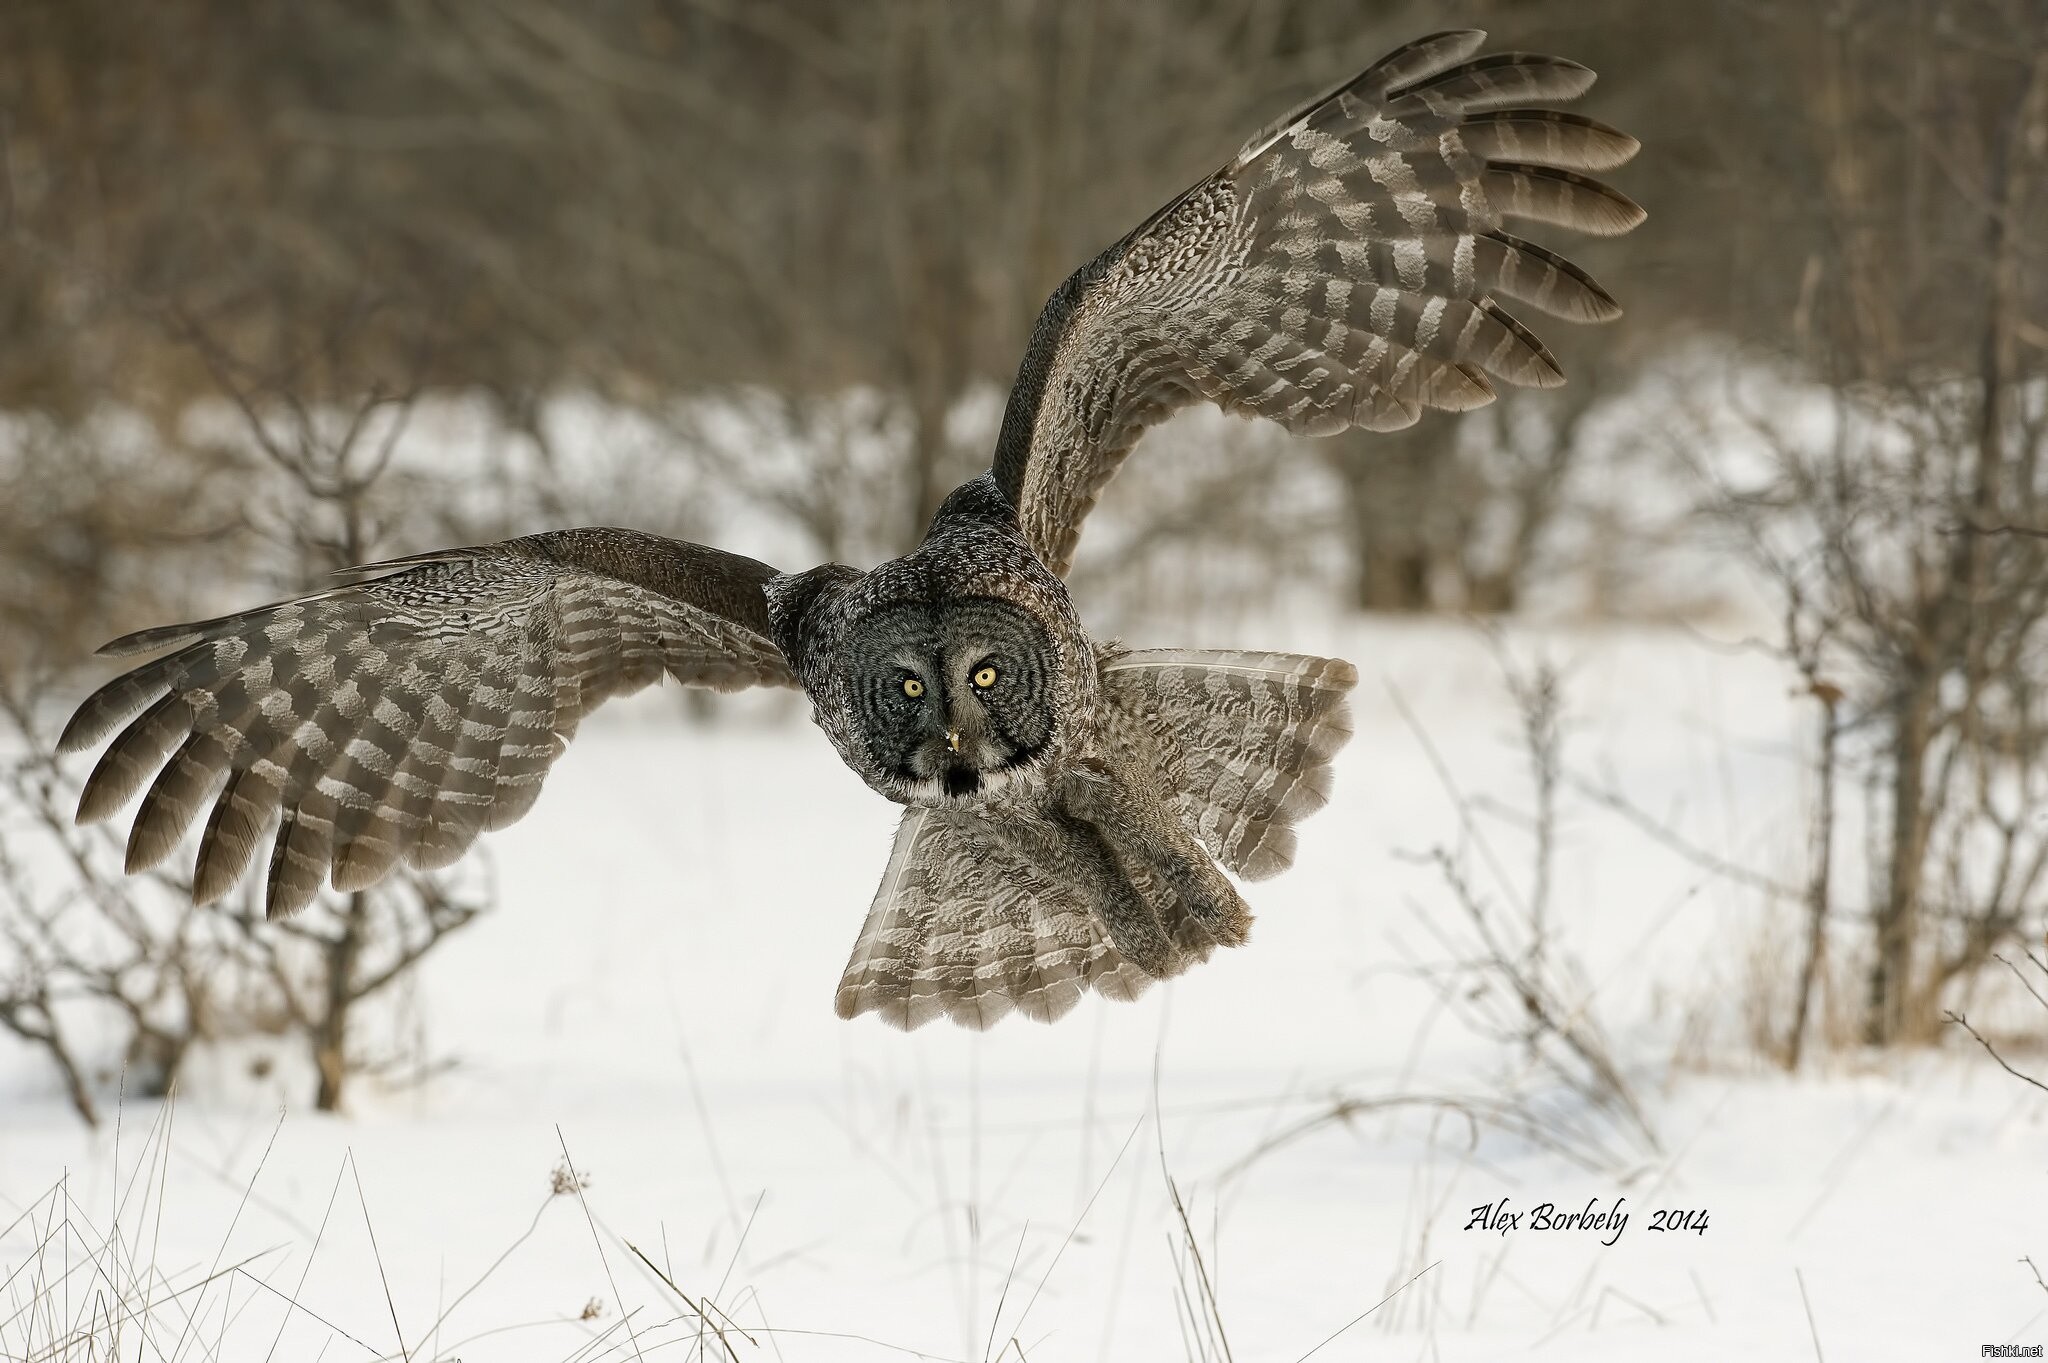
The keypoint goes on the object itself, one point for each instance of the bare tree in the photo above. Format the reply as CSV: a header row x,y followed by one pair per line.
x,y
1460,510
1889,513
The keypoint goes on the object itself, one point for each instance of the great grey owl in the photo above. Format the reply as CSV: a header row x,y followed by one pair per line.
x,y
1068,802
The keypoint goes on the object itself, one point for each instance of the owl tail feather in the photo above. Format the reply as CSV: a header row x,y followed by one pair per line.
x,y
1210,754
970,927
975,918
1242,741
1159,896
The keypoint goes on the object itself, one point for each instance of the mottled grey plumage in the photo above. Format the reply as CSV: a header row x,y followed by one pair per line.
x,y
1342,270
1068,802
1194,754
396,719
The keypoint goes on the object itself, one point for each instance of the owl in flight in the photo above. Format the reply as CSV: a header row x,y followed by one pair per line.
x,y
1070,806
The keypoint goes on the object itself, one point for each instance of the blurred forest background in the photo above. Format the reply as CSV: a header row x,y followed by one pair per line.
x,y
647,201
284,287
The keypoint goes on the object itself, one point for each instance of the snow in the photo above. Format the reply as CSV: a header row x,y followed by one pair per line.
x,y
652,999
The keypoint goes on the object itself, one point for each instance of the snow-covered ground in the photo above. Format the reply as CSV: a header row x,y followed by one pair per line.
x,y
652,1001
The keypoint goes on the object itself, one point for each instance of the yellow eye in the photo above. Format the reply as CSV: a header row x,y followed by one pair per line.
x,y
985,677
912,687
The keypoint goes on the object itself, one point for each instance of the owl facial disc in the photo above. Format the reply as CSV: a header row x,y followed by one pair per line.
x,y
953,697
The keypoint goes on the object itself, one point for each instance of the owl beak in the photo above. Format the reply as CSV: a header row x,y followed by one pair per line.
x,y
953,739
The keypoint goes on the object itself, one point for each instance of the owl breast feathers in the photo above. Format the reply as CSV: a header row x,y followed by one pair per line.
x,y
1071,807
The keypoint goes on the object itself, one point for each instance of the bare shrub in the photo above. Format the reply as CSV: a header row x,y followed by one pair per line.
x,y
1508,978
115,978
1890,505
2033,978
316,441
1505,976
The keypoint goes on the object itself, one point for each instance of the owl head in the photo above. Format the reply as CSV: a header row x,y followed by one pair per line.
x,y
949,700
947,674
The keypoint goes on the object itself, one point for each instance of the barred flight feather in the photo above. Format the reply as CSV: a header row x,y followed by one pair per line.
x,y
963,928
1346,269
396,719
1246,740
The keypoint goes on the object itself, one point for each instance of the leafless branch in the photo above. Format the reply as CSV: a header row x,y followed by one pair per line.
x,y
1959,1020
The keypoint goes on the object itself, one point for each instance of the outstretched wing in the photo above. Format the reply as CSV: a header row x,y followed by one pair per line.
x,y
396,719
966,928
1242,741
1347,268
